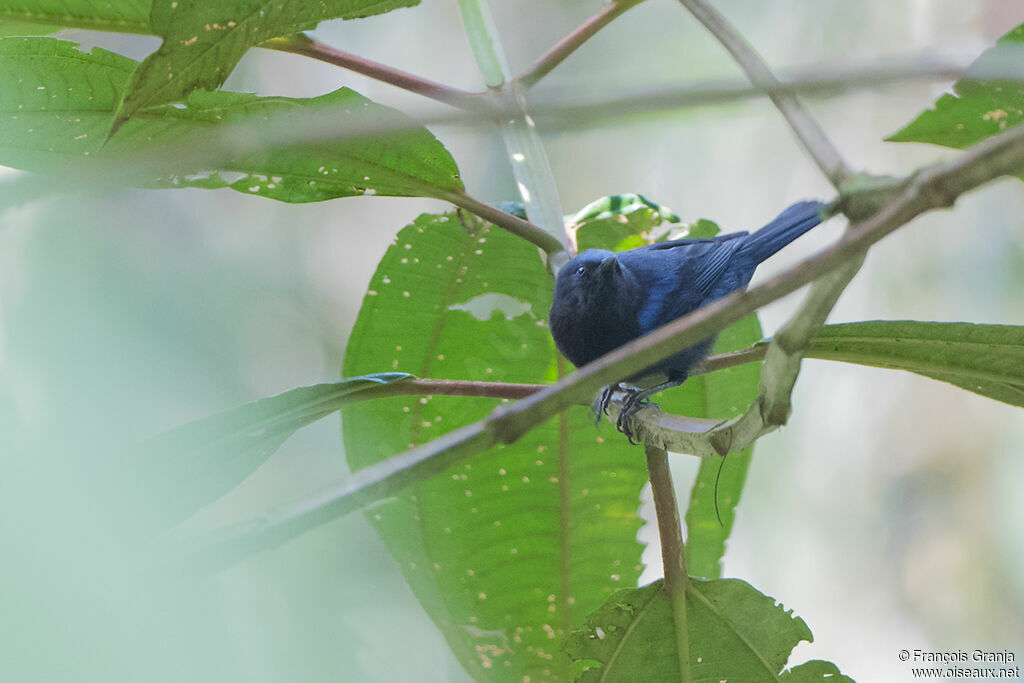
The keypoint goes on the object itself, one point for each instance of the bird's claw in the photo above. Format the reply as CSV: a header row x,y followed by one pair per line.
x,y
633,402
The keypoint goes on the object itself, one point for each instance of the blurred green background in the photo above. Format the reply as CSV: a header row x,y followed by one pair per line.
x,y
887,513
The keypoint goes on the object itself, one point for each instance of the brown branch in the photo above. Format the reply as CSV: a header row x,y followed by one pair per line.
x,y
449,387
673,553
302,44
506,221
565,47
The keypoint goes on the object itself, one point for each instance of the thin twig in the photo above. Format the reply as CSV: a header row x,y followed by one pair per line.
x,y
302,44
448,387
566,109
806,128
506,221
673,553
565,47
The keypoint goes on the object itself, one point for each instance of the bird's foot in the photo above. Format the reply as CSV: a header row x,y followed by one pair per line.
x,y
631,404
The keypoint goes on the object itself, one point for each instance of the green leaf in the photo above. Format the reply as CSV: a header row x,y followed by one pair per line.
x,y
979,107
124,16
984,359
56,103
204,39
199,462
702,229
508,550
735,633
620,222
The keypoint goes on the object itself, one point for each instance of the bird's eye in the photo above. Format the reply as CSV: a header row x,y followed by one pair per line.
x,y
581,270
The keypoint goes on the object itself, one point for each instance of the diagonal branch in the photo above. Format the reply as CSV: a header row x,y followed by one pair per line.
x,y
772,407
804,126
565,47
302,44
931,188
785,351
506,221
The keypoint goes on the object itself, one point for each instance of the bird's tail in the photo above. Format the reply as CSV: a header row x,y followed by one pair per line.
x,y
786,227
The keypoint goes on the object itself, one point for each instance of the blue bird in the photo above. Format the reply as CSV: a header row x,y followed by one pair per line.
x,y
604,299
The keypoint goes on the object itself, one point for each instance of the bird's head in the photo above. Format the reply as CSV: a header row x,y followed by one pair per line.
x,y
592,274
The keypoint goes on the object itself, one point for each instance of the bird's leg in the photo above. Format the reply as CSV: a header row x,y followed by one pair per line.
x,y
632,402
600,405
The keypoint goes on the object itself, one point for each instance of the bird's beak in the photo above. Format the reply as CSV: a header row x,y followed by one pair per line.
x,y
609,264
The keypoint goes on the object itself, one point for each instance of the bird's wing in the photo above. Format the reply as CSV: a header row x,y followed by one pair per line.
x,y
713,265
703,261
681,276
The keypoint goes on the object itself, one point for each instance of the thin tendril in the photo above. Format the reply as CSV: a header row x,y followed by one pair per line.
x,y
717,477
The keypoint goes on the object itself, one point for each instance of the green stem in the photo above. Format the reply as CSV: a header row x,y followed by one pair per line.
x,y
535,179
483,41
526,154
673,552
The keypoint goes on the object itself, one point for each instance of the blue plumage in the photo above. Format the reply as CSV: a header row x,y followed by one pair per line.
x,y
604,300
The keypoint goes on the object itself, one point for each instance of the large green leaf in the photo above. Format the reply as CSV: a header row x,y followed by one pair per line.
x,y
984,359
735,634
199,462
204,39
509,550
126,16
56,103
980,107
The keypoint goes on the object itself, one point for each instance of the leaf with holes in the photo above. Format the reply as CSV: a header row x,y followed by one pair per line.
x,y
56,102
197,463
735,633
124,16
204,39
510,549
980,107
983,359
